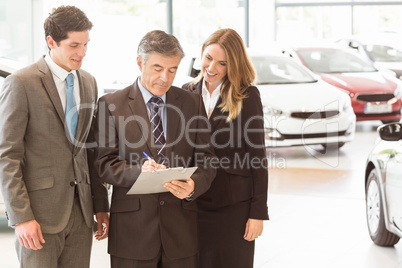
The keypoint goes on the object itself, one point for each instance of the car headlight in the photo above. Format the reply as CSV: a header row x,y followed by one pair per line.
x,y
347,104
271,111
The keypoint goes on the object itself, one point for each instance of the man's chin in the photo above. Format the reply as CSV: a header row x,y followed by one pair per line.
x,y
76,65
159,91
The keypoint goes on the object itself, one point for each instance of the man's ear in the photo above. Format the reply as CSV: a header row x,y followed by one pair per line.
x,y
50,42
139,62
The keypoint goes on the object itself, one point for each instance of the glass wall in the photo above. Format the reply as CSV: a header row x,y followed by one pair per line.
x,y
16,36
377,18
331,20
194,21
119,25
300,24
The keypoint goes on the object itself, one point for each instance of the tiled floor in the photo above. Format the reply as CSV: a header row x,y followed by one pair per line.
x,y
317,210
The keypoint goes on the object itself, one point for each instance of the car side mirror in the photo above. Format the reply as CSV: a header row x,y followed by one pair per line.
x,y
390,132
354,45
195,67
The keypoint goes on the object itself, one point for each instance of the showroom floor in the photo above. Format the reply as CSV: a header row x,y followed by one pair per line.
x,y
317,210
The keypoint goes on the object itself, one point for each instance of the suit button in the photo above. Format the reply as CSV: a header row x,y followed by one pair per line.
x,y
162,203
72,183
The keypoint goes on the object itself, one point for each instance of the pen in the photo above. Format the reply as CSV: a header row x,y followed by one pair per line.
x,y
147,156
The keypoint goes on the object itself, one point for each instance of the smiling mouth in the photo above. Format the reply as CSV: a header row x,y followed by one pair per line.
x,y
210,74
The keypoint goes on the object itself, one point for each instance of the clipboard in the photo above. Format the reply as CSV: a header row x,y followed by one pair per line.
x,y
152,182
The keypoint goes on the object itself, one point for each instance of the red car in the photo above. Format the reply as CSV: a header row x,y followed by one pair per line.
x,y
375,95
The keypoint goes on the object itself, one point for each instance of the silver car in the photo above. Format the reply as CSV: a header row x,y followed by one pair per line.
x,y
383,180
383,49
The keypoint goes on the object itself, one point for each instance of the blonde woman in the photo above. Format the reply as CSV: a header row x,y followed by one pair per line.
x,y
232,211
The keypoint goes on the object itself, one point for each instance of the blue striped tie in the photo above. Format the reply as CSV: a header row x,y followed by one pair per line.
x,y
157,128
71,108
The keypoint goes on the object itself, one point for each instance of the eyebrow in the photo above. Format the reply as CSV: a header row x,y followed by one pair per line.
x,y
78,43
221,61
159,66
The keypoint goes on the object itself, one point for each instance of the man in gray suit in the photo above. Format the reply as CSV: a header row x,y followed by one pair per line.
x,y
46,114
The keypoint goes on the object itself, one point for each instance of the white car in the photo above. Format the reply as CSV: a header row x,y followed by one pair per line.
x,y
299,108
383,186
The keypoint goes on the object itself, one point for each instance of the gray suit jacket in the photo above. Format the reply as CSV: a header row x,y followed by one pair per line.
x,y
38,162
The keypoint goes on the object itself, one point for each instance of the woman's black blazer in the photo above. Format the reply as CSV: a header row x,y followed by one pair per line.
x,y
242,173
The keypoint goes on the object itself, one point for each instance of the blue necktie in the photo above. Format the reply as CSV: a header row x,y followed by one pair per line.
x,y
71,108
156,127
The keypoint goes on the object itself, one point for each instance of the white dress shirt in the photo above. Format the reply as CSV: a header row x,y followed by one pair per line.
x,y
59,77
210,100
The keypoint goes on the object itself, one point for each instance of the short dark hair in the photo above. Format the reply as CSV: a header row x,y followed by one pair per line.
x,y
159,42
66,19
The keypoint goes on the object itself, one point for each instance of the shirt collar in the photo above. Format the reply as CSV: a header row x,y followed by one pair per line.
x,y
205,91
146,95
57,70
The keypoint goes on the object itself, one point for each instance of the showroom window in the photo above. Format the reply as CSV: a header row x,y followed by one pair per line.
x,y
119,25
312,22
333,19
16,30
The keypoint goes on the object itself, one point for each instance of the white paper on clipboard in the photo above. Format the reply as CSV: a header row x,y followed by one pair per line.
x,y
152,182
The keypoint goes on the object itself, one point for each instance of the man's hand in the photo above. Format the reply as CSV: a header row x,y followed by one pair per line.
x,y
253,229
180,189
30,235
103,225
151,165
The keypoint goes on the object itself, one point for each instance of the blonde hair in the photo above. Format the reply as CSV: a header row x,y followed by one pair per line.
x,y
240,71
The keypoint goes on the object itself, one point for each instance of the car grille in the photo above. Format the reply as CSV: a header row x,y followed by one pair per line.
x,y
314,135
375,97
314,115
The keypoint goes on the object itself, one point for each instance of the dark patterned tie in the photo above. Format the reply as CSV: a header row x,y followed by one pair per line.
x,y
157,128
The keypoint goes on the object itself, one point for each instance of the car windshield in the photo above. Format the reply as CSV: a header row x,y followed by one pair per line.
x,y
384,53
328,60
280,70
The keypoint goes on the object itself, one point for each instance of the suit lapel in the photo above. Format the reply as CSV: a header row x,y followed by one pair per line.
x,y
173,110
85,111
50,87
138,108
48,82
217,118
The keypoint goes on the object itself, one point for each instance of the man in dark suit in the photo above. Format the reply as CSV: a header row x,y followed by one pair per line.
x,y
45,120
153,230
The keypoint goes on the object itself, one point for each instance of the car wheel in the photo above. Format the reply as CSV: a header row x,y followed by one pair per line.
x,y
332,146
375,213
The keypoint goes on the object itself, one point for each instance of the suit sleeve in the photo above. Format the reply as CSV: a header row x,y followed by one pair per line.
x,y
13,123
99,190
255,146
